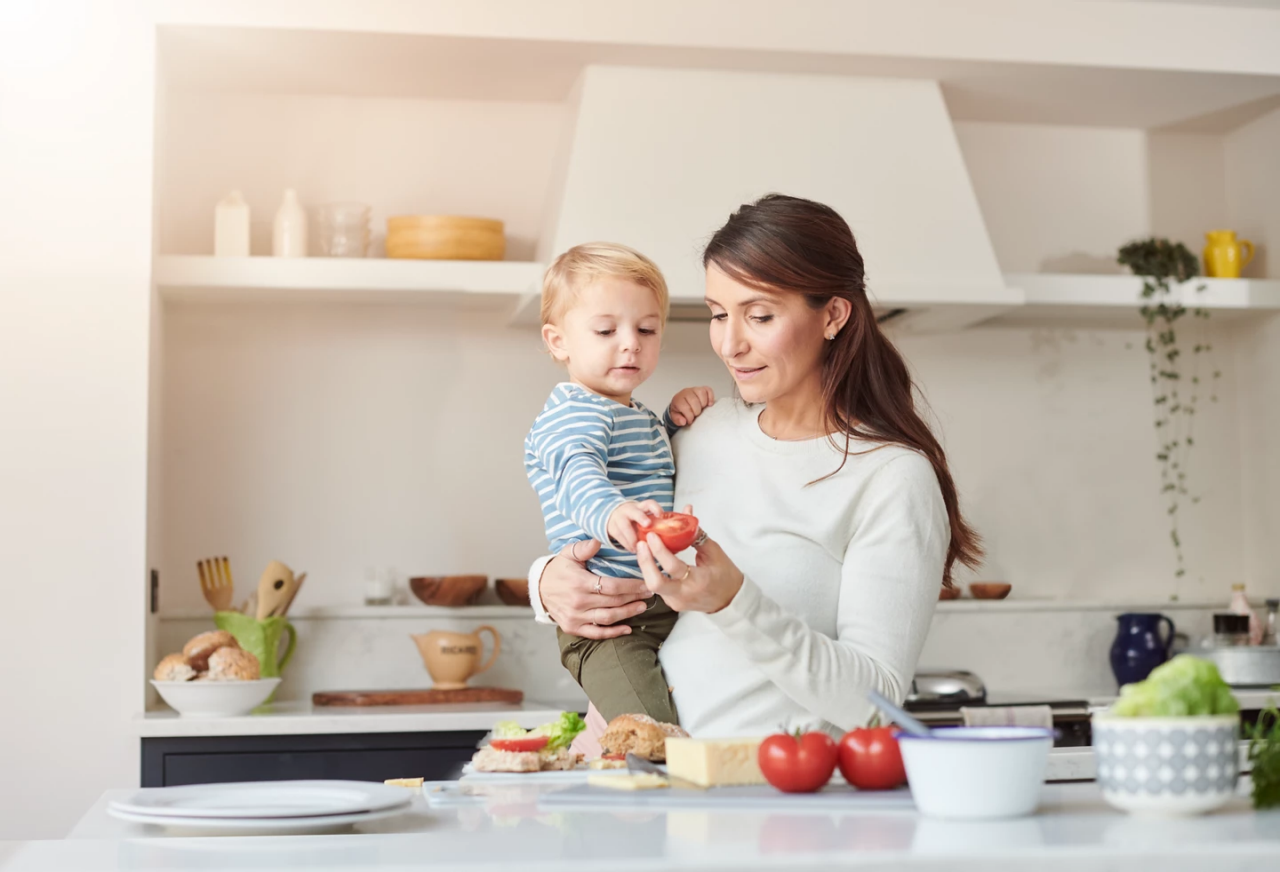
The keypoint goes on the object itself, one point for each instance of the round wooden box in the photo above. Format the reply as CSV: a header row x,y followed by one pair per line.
x,y
445,237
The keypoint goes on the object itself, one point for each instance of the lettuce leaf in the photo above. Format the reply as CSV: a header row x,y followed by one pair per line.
x,y
560,733
1186,686
509,730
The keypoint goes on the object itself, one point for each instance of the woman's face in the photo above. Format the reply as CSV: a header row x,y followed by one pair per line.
x,y
772,343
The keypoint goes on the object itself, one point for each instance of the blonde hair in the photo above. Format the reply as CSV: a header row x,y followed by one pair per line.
x,y
591,260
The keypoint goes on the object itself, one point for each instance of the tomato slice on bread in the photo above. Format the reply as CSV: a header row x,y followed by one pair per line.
x,y
676,530
521,745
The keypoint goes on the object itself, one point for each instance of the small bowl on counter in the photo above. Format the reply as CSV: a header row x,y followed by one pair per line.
x,y
1167,766
977,773
448,590
215,699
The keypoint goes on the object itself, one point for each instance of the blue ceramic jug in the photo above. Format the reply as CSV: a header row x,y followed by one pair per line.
x,y
1138,647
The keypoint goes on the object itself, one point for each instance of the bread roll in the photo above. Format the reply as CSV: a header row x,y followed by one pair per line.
x,y
640,735
489,759
174,667
198,649
233,664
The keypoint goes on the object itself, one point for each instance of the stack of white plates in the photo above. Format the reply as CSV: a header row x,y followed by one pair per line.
x,y
262,807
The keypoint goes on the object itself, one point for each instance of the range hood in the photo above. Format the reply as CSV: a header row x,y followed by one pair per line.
x,y
659,158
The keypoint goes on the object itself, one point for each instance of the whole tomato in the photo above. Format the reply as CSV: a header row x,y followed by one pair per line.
x,y
870,758
797,763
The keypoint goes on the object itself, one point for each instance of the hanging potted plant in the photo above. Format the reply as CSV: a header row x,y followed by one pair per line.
x,y
1176,354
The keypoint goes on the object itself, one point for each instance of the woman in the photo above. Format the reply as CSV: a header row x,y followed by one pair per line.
x,y
835,518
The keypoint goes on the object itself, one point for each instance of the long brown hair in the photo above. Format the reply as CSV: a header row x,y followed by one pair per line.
x,y
787,244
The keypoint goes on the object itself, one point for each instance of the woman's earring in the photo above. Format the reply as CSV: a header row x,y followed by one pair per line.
x,y
830,336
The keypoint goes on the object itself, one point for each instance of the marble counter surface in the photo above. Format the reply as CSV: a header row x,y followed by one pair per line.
x,y
1073,830
300,718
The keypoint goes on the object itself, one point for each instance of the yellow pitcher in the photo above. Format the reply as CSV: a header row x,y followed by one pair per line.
x,y
1224,255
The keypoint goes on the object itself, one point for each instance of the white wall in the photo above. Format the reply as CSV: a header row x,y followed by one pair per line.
x,y
1057,199
1253,193
341,436
76,87
401,157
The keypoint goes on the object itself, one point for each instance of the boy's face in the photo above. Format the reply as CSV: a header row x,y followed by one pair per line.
x,y
609,337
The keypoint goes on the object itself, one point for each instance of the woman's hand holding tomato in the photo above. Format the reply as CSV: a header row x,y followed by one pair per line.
x,y
797,763
707,586
871,760
677,530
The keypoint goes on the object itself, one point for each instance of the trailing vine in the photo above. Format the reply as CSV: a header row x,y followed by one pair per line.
x,y
1175,377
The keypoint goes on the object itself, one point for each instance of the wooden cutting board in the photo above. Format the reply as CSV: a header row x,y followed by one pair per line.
x,y
415,697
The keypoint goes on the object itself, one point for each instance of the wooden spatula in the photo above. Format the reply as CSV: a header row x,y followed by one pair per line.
x,y
274,588
297,583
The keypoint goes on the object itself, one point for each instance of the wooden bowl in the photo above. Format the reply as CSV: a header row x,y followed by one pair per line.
x,y
448,590
949,593
989,590
512,591
445,237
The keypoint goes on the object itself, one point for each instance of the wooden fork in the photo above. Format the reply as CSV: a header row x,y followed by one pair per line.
x,y
216,583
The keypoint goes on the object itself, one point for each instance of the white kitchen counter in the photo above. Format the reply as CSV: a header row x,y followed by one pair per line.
x,y
1073,830
299,718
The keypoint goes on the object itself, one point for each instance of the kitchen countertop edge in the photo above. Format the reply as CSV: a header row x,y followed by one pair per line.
x,y
302,718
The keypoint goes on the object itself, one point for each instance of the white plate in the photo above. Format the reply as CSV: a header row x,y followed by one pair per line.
x,y
257,826
555,776
262,799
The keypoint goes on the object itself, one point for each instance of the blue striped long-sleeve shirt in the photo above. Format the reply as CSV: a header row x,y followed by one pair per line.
x,y
585,455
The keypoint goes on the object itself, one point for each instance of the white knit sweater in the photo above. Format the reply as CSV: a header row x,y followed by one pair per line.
x,y
842,577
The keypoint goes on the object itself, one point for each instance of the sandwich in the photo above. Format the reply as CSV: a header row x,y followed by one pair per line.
x,y
512,748
640,735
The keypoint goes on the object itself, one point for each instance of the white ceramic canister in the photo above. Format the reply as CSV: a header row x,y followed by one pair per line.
x,y
231,226
289,233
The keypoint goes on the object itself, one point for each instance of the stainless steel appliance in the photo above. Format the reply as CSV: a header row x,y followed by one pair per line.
x,y
936,697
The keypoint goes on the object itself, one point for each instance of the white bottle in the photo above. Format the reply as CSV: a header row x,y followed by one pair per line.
x,y
289,234
231,226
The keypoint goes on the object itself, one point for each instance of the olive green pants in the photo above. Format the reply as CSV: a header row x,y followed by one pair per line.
x,y
622,675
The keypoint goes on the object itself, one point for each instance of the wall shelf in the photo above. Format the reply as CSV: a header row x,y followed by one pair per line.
x,y
1114,300
252,279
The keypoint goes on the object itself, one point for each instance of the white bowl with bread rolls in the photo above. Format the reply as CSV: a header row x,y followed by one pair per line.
x,y
212,677
215,699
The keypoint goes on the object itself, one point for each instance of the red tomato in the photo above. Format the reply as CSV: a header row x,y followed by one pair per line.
x,y
870,758
798,763
522,745
676,530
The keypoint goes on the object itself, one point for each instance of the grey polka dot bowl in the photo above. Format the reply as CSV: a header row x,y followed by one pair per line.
x,y
1167,766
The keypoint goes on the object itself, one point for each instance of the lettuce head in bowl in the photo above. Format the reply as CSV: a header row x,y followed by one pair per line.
x,y
1184,687
1168,745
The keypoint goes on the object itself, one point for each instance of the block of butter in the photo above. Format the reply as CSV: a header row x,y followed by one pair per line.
x,y
404,782
714,762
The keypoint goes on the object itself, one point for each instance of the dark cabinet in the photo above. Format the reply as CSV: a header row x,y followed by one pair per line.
x,y
354,756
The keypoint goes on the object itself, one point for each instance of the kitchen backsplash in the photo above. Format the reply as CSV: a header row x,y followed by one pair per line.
x,y
1012,645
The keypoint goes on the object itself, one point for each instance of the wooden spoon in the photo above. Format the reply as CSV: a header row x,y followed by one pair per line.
x,y
273,588
297,584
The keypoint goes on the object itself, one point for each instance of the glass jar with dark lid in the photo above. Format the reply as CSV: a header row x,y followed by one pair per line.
x,y
1230,630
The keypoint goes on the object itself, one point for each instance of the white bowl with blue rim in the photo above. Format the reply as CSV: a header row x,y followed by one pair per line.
x,y
977,773
1167,766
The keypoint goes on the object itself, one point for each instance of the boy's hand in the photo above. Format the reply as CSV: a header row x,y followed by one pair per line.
x,y
626,517
687,405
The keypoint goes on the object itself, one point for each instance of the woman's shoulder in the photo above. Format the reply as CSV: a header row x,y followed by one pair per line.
x,y
725,413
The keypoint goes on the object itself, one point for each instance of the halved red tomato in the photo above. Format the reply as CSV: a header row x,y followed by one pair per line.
x,y
676,530
521,745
